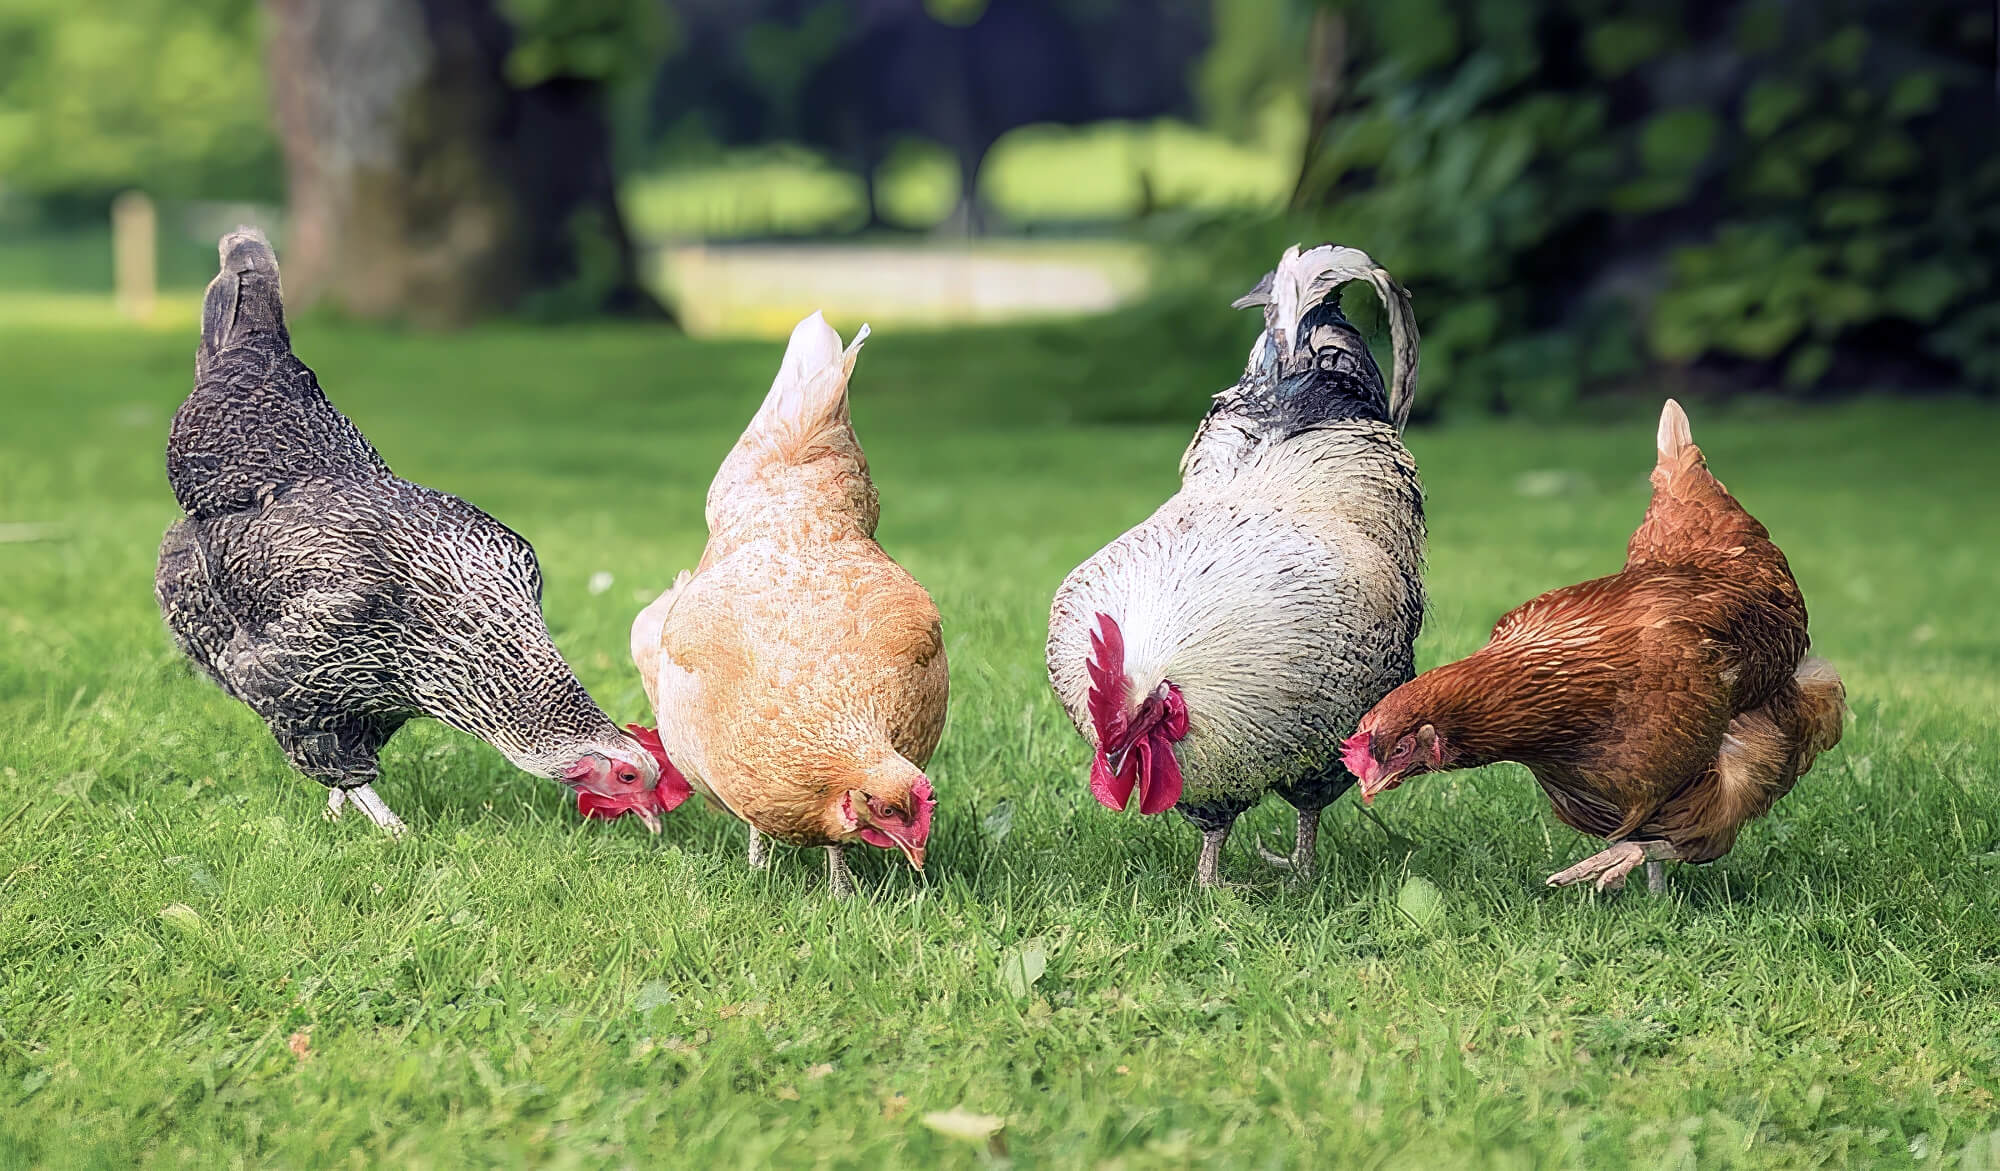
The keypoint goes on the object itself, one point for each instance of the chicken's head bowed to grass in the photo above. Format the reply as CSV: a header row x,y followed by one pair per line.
x,y
799,673
1220,649
1661,707
608,790
340,601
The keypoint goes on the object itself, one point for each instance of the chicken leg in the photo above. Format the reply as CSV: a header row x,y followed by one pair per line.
x,y
1303,861
1609,867
839,879
1208,867
760,850
364,798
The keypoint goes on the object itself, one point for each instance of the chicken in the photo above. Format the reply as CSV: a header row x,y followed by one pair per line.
x,y
1222,647
339,601
1661,708
798,673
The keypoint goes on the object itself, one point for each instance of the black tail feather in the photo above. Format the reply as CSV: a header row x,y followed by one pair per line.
x,y
245,298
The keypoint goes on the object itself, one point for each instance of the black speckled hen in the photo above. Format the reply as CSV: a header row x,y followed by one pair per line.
x,y
340,601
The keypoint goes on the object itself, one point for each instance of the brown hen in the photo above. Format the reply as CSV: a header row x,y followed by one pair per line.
x,y
1660,708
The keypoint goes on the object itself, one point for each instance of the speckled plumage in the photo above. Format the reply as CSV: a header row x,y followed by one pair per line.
x,y
335,599
1281,588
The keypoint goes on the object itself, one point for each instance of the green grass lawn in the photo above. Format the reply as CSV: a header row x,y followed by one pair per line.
x,y
196,970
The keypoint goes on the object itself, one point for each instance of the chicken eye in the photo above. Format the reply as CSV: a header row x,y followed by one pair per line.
x,y
628,776
1405,746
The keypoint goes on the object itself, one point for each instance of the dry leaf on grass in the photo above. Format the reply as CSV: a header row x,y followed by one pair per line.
x,y
965,1126
300,1043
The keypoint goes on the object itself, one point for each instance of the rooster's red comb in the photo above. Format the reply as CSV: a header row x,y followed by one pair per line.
x,y
1109,686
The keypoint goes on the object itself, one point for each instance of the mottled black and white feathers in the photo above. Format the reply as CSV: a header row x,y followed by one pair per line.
x,y
1281,588
334,598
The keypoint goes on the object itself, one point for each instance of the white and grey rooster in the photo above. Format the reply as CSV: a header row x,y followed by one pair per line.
x,y
1223,647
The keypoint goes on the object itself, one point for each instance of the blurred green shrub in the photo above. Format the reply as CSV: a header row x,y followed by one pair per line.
x,y
1581,191
100,95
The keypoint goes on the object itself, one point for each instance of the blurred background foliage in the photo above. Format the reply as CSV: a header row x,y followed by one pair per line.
x,y
1800,195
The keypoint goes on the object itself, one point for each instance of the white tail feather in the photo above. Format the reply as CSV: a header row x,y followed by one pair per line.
x,y
1675,436
811,387
1303,280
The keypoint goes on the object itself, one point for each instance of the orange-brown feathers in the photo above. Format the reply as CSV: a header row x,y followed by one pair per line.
x,y
799,673
1671,700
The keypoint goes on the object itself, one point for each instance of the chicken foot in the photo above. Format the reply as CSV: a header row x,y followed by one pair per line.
x,y
364,798
1303,861
839,879
1609,867
760,850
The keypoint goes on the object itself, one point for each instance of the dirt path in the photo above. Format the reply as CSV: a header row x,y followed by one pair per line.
x,y
763,289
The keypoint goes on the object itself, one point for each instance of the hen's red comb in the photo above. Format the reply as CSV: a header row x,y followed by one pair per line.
x,y
670,791
673,787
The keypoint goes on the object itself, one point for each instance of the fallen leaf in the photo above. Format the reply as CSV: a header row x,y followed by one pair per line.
x,y
816,1072
894,1106
785,1094
300,1043
181,916
1023,966
965,1126
652,994
1420,901
1122,1070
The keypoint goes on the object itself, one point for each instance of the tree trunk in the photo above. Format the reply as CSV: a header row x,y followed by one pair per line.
x,y
1326,76
426,188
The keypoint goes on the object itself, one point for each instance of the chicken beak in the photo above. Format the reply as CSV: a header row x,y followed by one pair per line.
x,y
1117,759
914,851
650,817
1380,783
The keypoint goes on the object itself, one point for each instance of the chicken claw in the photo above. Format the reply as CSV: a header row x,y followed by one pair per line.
x,y
364,798
1303,861
760,850
1610,867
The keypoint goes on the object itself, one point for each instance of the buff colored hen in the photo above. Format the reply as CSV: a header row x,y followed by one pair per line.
x,y
799,673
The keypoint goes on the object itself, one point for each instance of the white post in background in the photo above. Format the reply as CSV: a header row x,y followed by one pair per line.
x,y
134,253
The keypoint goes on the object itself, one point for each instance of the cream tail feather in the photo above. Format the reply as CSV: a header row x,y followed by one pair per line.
x,y
810,391
1303,280
1675,436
